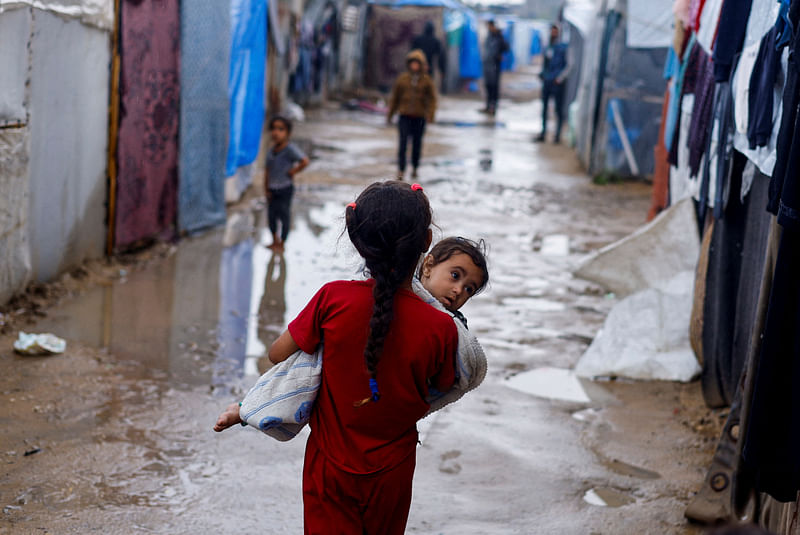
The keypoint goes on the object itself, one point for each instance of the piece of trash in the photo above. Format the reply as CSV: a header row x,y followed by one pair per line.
x,y
32,451
555,245
39,344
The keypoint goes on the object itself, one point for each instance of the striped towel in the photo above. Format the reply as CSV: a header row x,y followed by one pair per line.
x,y
280,402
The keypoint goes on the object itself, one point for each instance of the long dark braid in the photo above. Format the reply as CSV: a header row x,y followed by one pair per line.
x,y
388,225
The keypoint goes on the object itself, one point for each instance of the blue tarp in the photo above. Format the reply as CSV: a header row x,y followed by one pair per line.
x,y
246,81
205,50
536,43
508,62
235,289
450,4
469,58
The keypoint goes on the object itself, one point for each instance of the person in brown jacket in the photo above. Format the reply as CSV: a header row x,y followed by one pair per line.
x,y
414,99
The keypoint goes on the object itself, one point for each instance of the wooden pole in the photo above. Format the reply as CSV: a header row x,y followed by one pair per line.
x,y
113,130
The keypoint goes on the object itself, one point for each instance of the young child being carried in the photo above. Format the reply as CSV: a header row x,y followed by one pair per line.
x,y
453,272
361,452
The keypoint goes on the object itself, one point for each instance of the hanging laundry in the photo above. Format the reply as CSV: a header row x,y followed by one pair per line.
x,y
785,190
762,83
702,85
733,18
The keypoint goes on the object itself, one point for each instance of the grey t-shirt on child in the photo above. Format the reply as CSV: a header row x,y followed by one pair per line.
x,y
279,164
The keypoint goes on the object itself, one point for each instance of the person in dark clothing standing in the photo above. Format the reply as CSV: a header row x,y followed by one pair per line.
x,y
493,49
432,47
554,74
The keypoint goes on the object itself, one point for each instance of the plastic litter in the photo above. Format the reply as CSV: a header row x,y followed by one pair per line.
x,y
39,344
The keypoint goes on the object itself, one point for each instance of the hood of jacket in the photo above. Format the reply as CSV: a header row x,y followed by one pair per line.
x,y
418,55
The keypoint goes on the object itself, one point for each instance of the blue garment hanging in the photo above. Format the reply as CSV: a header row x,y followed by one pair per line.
x,y
246,81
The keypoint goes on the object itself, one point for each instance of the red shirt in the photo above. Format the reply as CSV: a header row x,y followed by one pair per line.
x,y
420,349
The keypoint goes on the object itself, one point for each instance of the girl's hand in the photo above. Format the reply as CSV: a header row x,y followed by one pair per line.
x,y
229,417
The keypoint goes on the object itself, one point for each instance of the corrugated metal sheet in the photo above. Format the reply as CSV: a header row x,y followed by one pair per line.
x,y
68,139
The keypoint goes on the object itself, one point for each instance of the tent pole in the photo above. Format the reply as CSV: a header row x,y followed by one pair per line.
x,y
623,135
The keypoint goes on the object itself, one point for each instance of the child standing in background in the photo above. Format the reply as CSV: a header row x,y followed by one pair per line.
x,y
284,161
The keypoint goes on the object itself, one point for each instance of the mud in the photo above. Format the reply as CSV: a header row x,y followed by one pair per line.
x,y
117,430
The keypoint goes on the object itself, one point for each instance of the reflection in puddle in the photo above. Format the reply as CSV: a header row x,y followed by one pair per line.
x,y
471,124
607,497
206,314
551,383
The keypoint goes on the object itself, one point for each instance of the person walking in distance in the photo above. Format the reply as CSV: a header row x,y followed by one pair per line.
x,y
414,99
493,49
554,74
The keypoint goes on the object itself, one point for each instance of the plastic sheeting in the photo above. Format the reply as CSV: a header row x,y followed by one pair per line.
x,y
650,24
612,71
649,256
205,52
469,60
147,151
246,82
98,13
646,336
508,63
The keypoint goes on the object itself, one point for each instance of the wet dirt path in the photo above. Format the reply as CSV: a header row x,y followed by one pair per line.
x,y
117,431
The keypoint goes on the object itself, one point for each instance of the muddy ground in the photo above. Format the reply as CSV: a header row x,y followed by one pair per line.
x,y
114,436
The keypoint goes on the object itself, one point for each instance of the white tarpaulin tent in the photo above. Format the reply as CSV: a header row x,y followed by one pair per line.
x,y
616,114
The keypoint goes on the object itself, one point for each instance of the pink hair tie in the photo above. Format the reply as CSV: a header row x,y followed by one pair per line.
x,y
416,187
352,205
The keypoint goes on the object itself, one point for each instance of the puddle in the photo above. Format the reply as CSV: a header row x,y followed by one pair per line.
x,y
607,497
550,383
471,124
206,314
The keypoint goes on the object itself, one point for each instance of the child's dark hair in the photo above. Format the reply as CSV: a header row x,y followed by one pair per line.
x,y
476,250
280,118
388,225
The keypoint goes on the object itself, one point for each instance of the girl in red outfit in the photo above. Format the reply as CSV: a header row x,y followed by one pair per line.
x,y
383,348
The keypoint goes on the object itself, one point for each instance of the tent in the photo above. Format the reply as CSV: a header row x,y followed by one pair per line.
x,y
617,110
392,24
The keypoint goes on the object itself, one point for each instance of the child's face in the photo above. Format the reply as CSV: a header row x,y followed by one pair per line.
x,y
414,66
453,281
278,132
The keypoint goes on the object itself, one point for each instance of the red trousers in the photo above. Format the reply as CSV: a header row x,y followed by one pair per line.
x,y
339,502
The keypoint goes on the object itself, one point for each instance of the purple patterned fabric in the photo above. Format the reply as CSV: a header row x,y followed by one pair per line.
x,y
147,150
700,127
